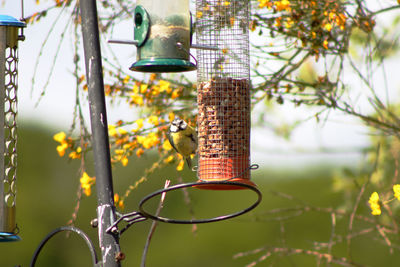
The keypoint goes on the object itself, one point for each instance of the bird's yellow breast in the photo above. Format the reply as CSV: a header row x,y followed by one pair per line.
x,y
184,143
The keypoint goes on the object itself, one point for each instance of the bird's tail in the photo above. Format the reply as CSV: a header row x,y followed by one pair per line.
x,y
189,162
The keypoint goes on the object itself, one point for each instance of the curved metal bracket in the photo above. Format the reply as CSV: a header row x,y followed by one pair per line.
x,y
130,218
61,229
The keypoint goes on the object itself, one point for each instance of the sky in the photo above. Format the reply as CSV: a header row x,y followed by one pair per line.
x,y
55,109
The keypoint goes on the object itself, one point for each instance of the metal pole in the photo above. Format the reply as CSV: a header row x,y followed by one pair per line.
x,y
109,243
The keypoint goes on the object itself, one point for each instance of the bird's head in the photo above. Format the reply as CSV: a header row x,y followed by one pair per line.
x,y
178,125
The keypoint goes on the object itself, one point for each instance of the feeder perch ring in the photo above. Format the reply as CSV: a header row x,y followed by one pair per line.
x,y
197,184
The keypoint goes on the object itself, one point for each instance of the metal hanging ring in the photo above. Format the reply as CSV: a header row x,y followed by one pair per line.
x,y
215,219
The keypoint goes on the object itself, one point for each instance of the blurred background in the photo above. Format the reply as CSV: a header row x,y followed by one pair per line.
x,y
47,195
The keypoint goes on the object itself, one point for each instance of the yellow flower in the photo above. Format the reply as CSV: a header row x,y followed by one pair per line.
x,y
153,119
166,145
121,204
143,88
139,123
140,139
175,94
135,89
171,116
150,140
374,204
396,190
180,166
116,198
122,131
313,35
264,3
112,131
278,22
124,161
282,5
120,155
152,77
119,151
169,159
232,21
61,149
328,27
331,15
86,183
289,23
341,21
199,14
118,201
165,86
129,146
126,79
253,25
325,44
59,137
137,99
139,152
76,154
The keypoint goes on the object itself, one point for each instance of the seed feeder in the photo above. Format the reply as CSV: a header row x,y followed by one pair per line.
x,y
9,37
163,36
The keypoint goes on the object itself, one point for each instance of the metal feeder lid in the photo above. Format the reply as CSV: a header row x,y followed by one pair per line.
x,y
6,20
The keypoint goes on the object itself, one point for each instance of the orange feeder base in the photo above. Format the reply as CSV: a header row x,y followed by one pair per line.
x,y
224,169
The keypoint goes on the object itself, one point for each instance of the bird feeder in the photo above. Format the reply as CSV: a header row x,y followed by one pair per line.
x,y
162,34
9,28
223,97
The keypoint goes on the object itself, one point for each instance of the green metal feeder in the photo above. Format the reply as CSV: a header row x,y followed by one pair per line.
x,y
9,37
162,35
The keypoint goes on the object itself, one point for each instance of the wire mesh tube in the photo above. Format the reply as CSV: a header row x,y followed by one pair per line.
x,y
223,91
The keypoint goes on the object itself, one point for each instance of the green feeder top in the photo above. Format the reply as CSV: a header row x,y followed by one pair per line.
x,y
6,20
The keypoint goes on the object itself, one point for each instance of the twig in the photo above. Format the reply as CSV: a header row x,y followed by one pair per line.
x,y
352,216
381,231
36,68
188,202
296,251
153,226
331,239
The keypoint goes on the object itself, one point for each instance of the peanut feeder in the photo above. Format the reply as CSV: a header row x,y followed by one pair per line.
x,y
223,98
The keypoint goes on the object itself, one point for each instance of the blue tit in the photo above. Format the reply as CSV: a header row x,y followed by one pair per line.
x,y
183,139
